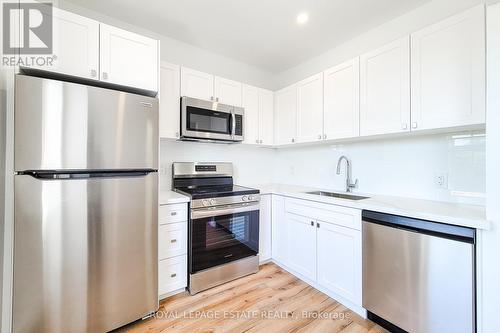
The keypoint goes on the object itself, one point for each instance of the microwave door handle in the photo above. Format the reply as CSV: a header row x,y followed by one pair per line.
x,y
233,125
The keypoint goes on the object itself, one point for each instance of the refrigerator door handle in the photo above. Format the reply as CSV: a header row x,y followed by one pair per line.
x,y
61,175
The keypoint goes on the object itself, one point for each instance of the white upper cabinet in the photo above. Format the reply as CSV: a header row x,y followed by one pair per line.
x,y
448,72
228,91
310,109
259,106
341,101
385,89
169,100
251,122
76,45
128,59
285,124
266,117
197,84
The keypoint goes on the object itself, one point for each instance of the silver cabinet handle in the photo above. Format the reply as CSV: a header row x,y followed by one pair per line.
x,y
293,140
312,223
256,141
414,125
261,141
319,137
211,98
324,136
317,225
104,75
93,73
173,275
173,213
177,134
217,99
404,126
173,241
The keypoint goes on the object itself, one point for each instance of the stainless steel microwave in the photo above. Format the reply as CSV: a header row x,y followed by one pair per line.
x,y
210,120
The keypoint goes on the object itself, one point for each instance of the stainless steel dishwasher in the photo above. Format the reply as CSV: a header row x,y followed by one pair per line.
x,y
418,276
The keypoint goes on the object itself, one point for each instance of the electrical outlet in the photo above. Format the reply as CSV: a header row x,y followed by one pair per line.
x,y
441,180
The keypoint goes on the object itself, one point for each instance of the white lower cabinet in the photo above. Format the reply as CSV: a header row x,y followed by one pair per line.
x,y
279,230
338,260
301,243
265,228
172,274
172,249
321,244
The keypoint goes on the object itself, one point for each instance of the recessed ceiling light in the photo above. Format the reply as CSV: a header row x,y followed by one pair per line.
x,y
302,18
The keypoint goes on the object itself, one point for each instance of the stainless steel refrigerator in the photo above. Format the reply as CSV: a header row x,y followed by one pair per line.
x,y
86,205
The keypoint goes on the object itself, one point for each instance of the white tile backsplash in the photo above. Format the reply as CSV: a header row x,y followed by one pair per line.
x,y
401,167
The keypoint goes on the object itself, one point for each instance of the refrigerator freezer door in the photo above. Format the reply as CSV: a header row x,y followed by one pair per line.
x,y
85,253
61,125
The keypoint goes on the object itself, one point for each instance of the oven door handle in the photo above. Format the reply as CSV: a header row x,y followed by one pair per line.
x,y
219,211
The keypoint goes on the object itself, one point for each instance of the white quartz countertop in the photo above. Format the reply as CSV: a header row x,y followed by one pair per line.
x,y
450,213
168,197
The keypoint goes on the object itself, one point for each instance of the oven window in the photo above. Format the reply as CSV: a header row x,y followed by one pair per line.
x,y
221,239
203,120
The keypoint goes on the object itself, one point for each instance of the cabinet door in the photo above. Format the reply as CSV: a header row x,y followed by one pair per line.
x,y
448,72
128,59
301,243
339,260
341,101
385,89
172,274
285,115
310,109
172,240
279,230
265,219
251,121
169,100
76,45
266,117
228,91
197,84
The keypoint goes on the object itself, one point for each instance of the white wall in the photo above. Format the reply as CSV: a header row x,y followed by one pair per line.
x,y
491,238
252,165
184,54
403,167
429,13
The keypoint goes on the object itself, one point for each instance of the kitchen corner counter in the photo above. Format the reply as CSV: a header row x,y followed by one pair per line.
x,y
473,216
168,197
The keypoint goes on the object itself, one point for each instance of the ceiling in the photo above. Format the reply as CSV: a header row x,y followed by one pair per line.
x,y
263,33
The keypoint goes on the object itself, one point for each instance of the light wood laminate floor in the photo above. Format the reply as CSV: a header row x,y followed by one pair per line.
x,y
272,300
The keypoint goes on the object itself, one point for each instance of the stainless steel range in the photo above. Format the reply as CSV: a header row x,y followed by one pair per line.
x,y
223,227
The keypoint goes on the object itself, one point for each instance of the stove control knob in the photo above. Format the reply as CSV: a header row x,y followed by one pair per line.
x,y
205,202
244,198
212,202
250,198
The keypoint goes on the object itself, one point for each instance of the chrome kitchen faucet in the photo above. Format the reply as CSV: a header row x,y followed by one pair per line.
x,y
349,184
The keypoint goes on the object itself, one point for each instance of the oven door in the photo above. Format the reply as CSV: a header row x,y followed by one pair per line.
x,y
207,120
223,234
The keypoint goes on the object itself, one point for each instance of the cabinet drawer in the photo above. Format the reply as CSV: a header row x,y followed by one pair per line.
x,y
172,213
172,274
172,240
343,216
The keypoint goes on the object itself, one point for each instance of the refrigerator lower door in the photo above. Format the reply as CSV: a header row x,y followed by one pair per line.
x,y
85,253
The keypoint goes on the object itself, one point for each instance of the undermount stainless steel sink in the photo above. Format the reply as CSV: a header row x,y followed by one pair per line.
x,y
338,195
